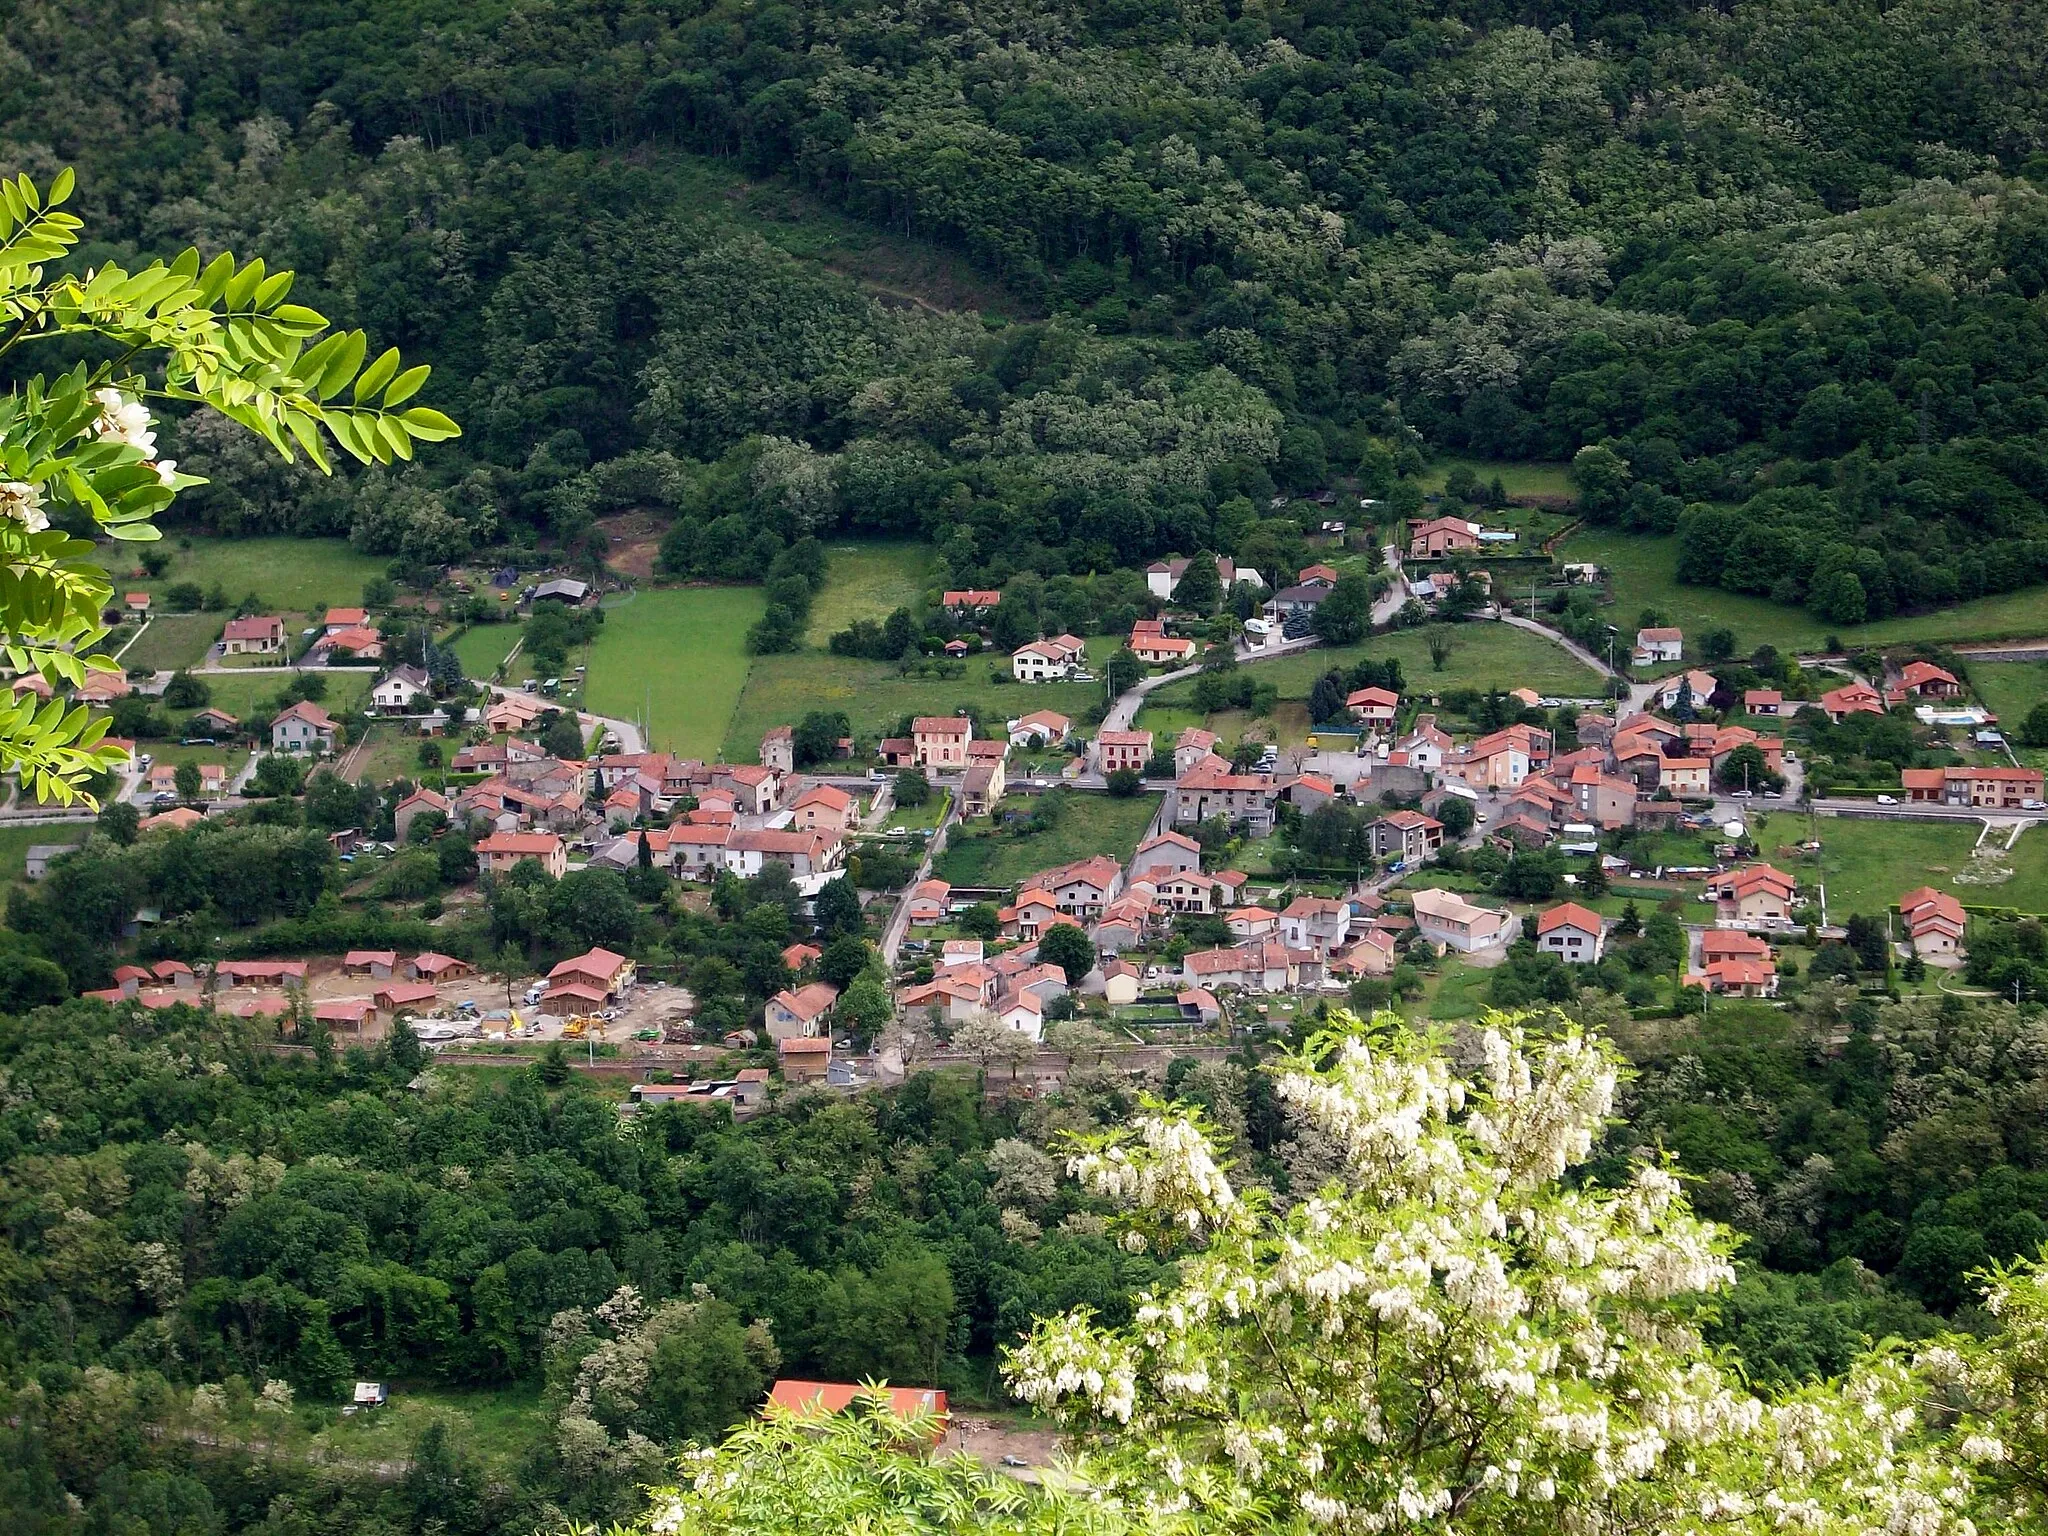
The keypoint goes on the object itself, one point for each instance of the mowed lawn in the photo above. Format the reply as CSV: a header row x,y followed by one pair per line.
x,y
2010,689
875,695
241,694
482,646
868,581
286,574
1869,864
174,640
1641,568
677,656
1092,824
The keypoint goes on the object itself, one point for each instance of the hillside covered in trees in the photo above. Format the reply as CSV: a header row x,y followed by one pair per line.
x,y
1784,258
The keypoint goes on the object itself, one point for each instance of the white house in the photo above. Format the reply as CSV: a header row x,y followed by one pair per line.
x,y
1657,645
1043,660
305,727
400,689
1025,1014
1573,933
1445,917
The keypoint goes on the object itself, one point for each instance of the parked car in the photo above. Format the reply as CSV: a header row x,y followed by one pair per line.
x,y
1887,800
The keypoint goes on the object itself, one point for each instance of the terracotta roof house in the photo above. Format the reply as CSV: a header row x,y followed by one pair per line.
x,y
1573,933
497,853
436,967
305,727
802,1012
1935,922
1927,681
818,1398
261,635
1854,699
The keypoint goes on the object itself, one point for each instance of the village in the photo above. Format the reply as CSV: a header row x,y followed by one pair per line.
x,y
1195,929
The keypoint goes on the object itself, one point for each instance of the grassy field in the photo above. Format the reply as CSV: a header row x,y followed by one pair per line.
x,y
1092,824
15,843
482,646
868,581
1532,478
174,640
1868,865
240,695
679,656
1642,566
2010,688
393,754
874,694
292,574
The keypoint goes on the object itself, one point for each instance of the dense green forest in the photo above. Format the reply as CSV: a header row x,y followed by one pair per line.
x,y
1783,258
208,1239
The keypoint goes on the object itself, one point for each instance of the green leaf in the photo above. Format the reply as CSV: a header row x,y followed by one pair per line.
x,y
376,375
347,359
60,189
406,385
429,425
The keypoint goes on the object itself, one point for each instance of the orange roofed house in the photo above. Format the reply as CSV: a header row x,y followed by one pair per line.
x,y
496,854
940,741
1934,922
1988,788
1752,896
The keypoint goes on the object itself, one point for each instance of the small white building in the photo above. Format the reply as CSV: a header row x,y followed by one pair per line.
x,y
1573,933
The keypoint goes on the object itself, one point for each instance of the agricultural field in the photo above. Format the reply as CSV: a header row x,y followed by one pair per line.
x,y
1092,824
174,640
678,656
875,695
286,574
869,581
1869,864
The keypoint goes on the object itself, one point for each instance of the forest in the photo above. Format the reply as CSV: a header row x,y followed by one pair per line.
x,y
1769,273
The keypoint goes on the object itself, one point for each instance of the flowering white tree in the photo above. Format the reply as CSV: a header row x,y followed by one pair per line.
x,y
1457,1334
219,335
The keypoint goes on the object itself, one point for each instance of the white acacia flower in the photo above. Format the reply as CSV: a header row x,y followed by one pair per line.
x,y
122,420
23,503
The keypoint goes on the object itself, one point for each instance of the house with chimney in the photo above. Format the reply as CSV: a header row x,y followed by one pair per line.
x,y
1123,749
1433,538
940,741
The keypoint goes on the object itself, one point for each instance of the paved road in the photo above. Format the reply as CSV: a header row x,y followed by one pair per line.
x,y
1395,597
1125,709
899,920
